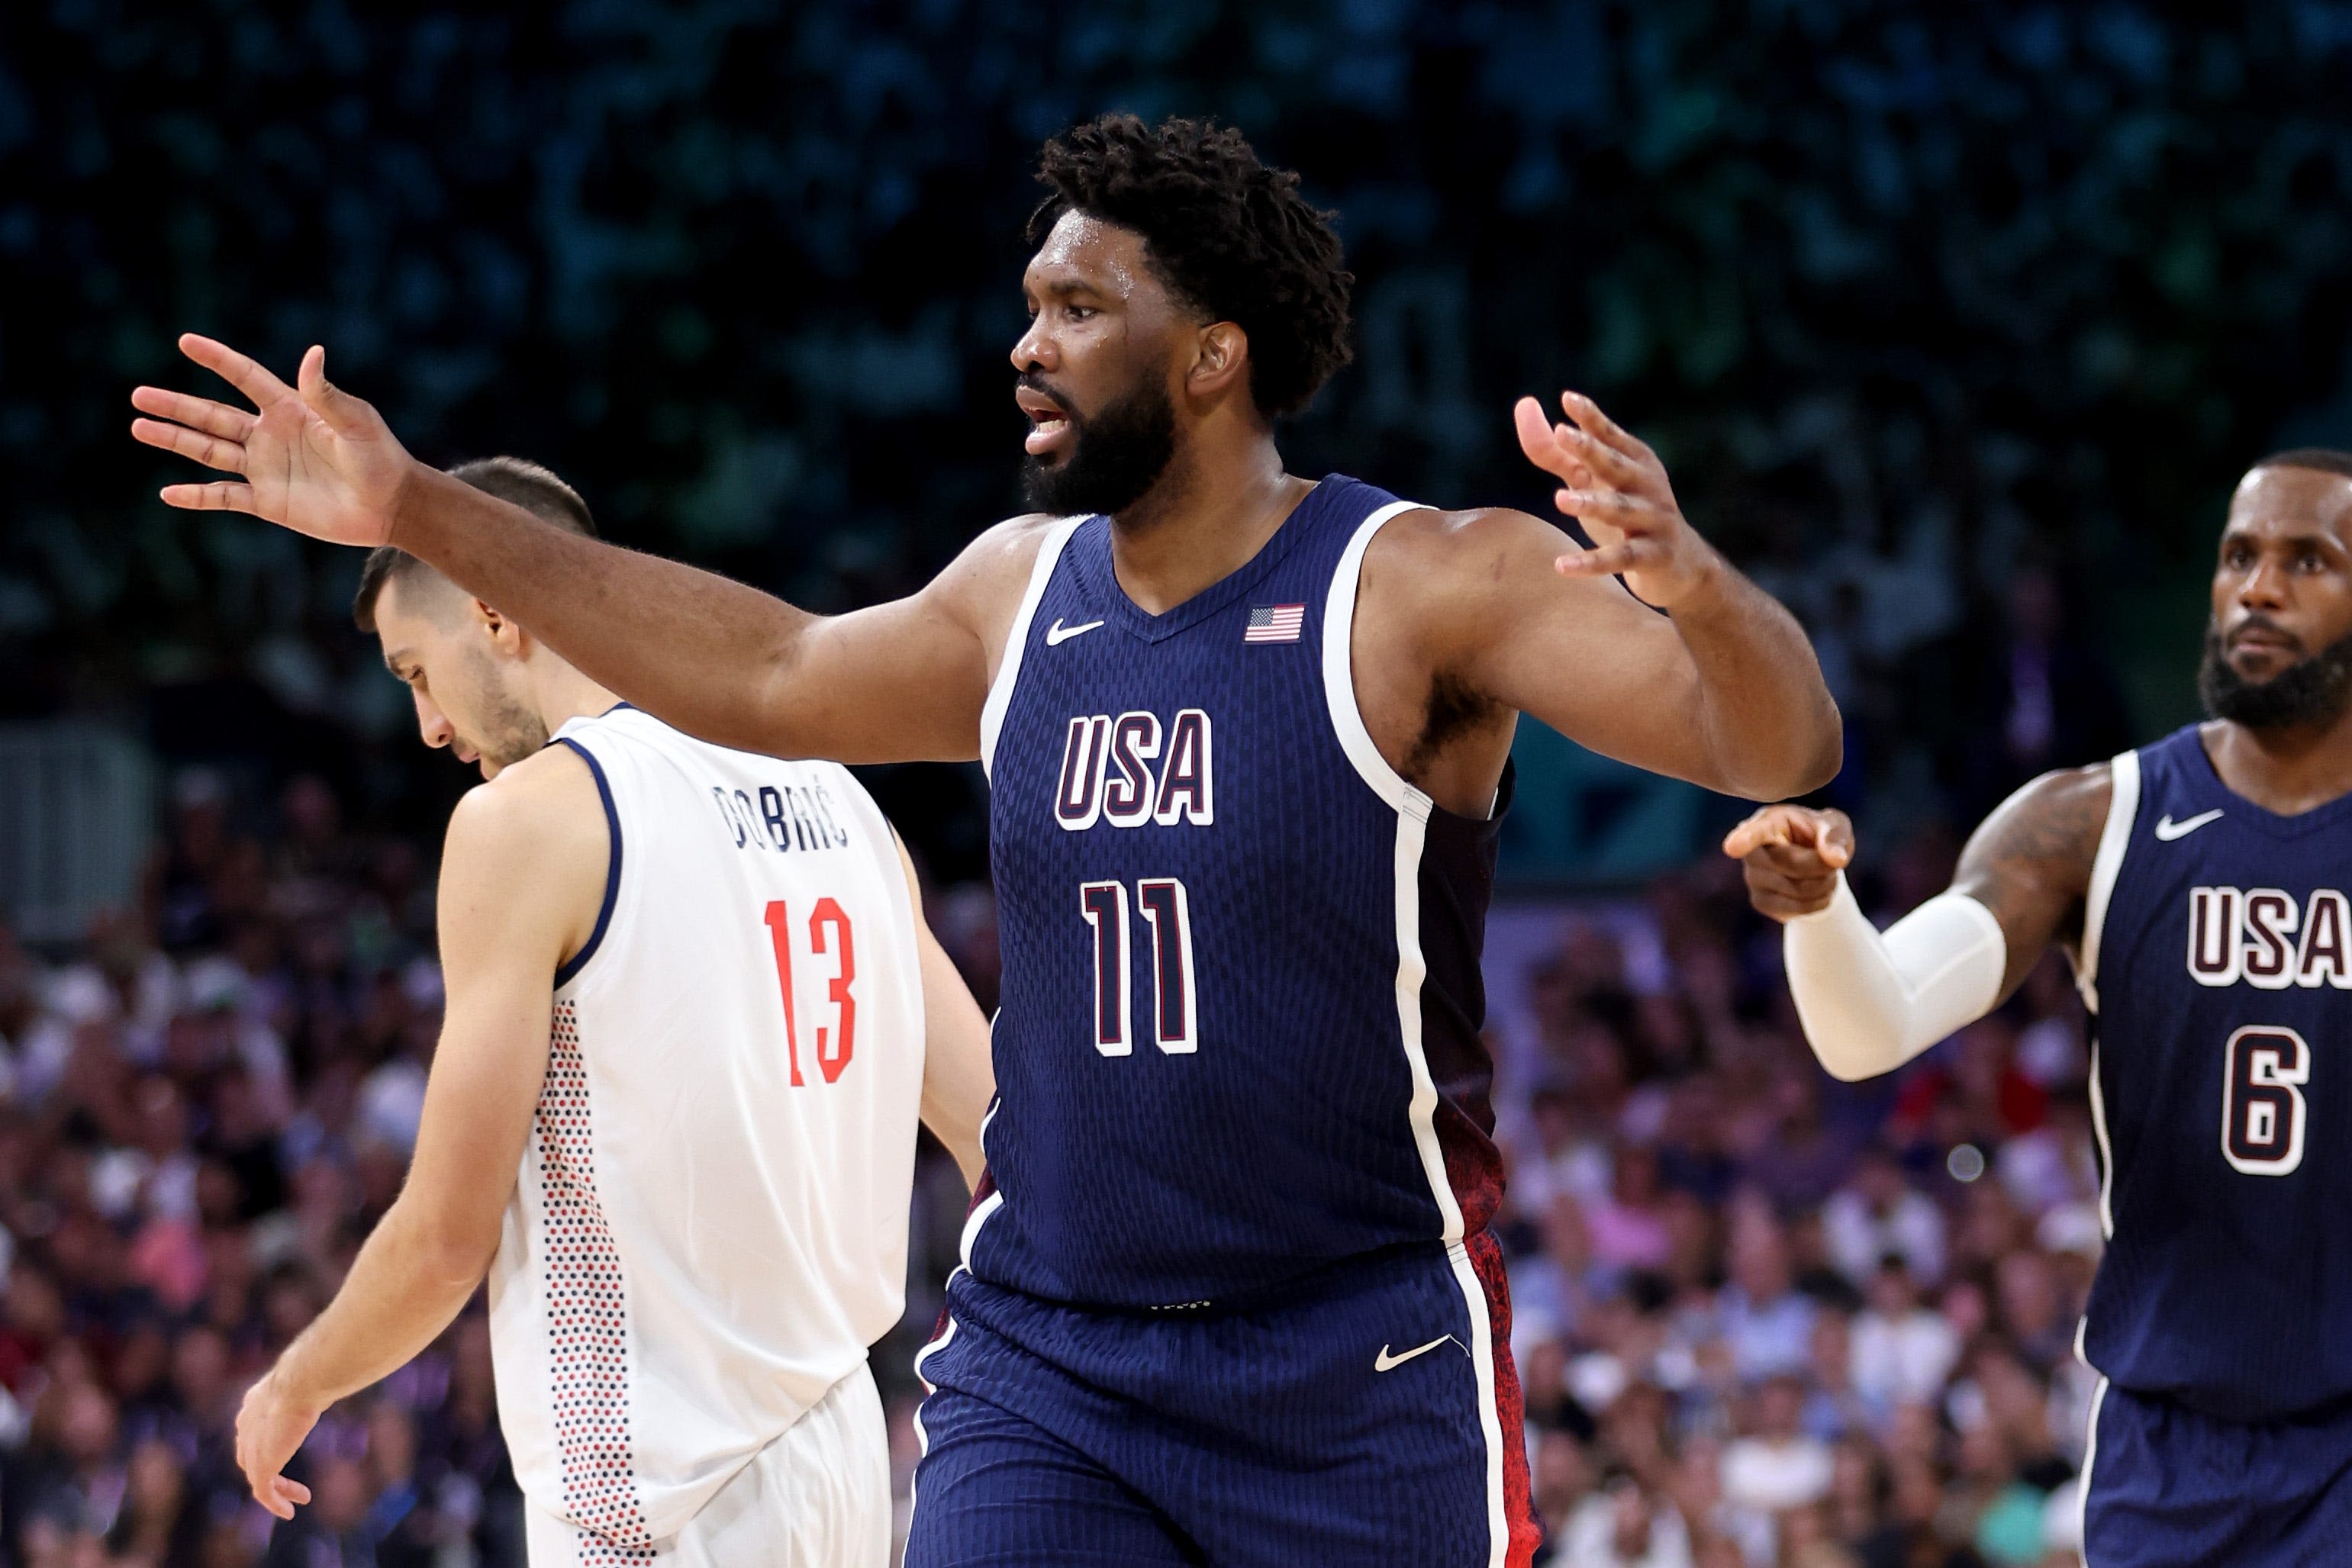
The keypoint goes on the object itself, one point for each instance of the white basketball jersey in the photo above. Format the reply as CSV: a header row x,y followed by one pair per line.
x,y
711,1223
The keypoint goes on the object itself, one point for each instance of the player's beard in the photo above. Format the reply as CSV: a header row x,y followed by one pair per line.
x,y
1117,454
510,730
2314,690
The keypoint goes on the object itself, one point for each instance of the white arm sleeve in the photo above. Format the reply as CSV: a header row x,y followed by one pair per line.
x,y
1870,1002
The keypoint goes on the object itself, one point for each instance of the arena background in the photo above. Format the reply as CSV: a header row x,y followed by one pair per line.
x,y
1954,322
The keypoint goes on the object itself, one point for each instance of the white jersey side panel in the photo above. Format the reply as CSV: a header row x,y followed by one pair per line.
x,y
711,1223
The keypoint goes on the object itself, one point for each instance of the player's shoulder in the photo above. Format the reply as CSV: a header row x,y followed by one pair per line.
x,y
529,852
2050,825
1433,530
1005,551
2076,795
987,579
1451,573
1472,545
547,804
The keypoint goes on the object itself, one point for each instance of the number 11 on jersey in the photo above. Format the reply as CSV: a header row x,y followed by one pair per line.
x,y
1175,1006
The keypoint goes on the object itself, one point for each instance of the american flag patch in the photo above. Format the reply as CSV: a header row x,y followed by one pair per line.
x,y
1275,623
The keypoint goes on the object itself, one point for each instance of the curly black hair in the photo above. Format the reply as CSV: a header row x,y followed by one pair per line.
x,y
1228,236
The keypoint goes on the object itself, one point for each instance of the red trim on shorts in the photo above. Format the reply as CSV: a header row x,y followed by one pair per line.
x,y
1510,1403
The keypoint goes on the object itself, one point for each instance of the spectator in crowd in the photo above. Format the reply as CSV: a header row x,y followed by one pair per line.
x,y
1624,1527
1776,1466
1903,1351
1766,1321
1878,1215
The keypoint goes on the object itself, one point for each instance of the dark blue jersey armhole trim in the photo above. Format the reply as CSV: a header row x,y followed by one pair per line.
x,y
578,961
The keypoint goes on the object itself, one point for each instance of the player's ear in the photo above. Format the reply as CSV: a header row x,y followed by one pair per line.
x,y
1220,359
505,634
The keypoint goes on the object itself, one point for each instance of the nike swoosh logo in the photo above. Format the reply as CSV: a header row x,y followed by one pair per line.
x,y
1384,1362
1056,634
2166,830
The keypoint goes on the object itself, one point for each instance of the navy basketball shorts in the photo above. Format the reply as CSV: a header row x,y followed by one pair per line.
x,y
2164,1487
1362,1418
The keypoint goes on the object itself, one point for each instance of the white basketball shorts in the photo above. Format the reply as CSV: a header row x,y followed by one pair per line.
x,y
817,1497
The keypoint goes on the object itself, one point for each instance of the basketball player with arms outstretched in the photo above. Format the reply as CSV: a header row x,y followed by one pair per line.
x,y
715,1141
1229,1293
2200,886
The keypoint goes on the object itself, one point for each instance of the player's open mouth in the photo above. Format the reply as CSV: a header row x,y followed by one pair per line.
x,y
1047,436
1051,424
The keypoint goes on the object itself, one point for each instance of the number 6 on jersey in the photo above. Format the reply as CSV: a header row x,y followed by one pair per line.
x,y
2265,1069
1174,1010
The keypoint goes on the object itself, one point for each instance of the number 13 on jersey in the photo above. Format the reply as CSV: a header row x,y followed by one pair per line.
x,y
837,1042
1174,999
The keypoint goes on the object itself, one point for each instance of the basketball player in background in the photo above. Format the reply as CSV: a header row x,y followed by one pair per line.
x,y
2200,886
1229,1293
715,1143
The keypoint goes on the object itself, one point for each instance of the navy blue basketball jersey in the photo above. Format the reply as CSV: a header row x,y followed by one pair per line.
x,y
1239,1037
2217,957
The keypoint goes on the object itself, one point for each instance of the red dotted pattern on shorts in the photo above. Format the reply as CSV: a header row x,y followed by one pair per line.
x,y
587,1319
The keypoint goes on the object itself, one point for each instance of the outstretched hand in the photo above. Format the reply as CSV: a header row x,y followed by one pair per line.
x,y
1792,856
1614,484
311,457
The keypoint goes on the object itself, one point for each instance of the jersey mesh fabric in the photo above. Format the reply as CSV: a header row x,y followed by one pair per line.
x,y
1282,1140
2226,1289
587,1308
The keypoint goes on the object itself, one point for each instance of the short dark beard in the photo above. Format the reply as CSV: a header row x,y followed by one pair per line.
x,y
511,731
2313,691
1117,454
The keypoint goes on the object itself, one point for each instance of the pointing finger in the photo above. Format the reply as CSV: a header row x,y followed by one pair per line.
x,y
247,375
1770,826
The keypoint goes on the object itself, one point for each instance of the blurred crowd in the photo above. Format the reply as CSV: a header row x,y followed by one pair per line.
x,y
1763,1319
1766,1320
202,1110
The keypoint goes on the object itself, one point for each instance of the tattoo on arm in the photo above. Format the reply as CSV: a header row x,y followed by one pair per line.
x,y
2030,864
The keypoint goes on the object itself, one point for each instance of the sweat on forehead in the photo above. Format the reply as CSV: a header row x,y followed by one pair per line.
x,y
1087,251
2289,489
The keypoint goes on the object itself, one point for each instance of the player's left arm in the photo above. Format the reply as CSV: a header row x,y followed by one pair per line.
x,y
1723,689
523,874
959,1075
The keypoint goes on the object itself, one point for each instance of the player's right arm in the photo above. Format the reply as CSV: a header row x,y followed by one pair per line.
x,y
1871,1001
898,681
